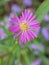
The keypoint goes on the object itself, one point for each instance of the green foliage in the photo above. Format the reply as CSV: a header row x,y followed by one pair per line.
x,y
42,10
3,2
13,48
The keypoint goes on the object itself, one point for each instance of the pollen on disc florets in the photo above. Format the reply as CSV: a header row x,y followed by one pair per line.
x,y
24,26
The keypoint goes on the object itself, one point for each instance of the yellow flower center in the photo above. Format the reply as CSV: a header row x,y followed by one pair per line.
x,y
24,26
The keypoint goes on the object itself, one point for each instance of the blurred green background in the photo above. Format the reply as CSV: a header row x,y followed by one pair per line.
x,y
35,52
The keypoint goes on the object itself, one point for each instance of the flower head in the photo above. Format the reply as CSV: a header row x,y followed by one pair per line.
x,y
26,26
45,32
27,3
16,8
37,62
2,34
46,18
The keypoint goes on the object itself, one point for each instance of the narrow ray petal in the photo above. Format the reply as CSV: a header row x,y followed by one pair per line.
x,y
31,15
21,37
14,28
17,34
31,20
27,36
34,22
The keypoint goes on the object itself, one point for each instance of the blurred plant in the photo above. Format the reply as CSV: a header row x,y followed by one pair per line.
x,y
2,34
27,3
25,26
45,32
16,8
36,62
46,18
3,2
12,51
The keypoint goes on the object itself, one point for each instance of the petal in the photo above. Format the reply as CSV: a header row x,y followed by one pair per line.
x,y
24,38
15,19
34,22
33,27
25,14
14,28
32,34
31,15
21,37
32,18
17,34
27,36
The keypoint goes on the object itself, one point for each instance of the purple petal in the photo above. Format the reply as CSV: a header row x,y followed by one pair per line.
x,y
34,22
17,34
14,28
27,36
31,15
27,3
16,8
32,18
45,33
21,39
37,62
33,34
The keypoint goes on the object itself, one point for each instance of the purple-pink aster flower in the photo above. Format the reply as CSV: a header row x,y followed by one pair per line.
x,y
2,34
26,26
37,62
27,2
46,18
45,32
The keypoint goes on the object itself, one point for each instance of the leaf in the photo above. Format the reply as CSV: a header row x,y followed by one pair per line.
x,y
3,47
25,58
18,55
45,61
42,10
28,46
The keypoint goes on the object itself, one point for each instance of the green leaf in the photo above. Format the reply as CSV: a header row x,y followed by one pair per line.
x,y
45,61
3,47
25,57
42,10
18,55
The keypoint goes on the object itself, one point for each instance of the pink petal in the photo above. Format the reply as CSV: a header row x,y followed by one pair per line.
x,y
14,28
17,34
27,36
24,38
31,15
21,37
33,34
17,18
34,26
14,19
26,13
32,18
23,15
34,22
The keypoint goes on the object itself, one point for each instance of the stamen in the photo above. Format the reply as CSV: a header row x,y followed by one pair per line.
x,y
24,26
